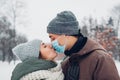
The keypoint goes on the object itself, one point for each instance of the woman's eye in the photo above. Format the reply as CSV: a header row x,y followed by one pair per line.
x,y
43,43
45,46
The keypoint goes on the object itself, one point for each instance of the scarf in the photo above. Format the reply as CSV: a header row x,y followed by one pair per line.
x,y
30,65
77,46
50,74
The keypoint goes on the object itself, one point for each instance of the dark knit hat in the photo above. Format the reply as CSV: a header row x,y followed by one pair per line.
x,y
64,23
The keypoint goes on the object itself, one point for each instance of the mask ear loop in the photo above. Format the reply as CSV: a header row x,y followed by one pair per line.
x,y
65,41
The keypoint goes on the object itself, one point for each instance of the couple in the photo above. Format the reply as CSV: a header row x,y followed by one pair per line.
x,y
86,59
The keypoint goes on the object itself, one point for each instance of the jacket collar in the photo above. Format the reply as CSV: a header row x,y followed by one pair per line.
x,y
89,46
77,46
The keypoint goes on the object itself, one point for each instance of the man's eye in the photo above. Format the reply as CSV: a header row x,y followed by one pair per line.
x,y
52,39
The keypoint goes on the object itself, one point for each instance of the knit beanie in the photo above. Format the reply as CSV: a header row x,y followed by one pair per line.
x,y
28,49
64,23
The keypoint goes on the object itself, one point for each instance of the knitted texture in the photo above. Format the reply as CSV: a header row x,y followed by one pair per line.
x,y
64,23
28,49
50,74
31,65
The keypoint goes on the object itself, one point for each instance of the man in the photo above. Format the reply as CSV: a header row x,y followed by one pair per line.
x,y
87,59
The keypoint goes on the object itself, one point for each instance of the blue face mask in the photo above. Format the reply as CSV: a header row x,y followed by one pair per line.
x,y
59,49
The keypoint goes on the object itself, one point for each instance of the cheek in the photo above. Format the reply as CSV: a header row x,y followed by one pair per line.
x,y
48,54
52,55
44,53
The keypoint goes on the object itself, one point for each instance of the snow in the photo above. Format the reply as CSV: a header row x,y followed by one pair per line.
x,y
118,66
6,69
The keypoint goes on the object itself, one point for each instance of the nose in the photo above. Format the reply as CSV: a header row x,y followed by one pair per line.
x,y
50,45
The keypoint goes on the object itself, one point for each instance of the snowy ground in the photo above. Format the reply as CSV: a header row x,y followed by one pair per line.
x,y
6,69
118,66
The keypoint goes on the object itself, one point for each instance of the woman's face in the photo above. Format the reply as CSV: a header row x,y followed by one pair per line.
x,y
47,52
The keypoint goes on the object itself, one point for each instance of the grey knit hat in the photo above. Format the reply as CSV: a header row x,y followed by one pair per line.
x,y
64,23
28,49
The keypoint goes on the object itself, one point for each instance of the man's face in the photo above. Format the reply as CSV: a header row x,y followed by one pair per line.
x,y
53,37
60,38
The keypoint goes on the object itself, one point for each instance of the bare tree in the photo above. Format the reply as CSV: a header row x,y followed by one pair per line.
x,y
84,31
4,27
2,2
16,12
8,40
15,16
115,13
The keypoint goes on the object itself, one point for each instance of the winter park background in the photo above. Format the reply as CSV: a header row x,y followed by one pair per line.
x,y
25,20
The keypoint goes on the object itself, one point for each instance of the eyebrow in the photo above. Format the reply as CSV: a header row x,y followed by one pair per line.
x,y
43,43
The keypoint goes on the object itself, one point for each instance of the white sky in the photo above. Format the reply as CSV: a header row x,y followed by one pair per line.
x,y
40,12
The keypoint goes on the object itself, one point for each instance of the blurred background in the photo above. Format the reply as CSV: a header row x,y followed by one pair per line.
x,y
25,20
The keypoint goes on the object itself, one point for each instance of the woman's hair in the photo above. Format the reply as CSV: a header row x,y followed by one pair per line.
x,y
40,56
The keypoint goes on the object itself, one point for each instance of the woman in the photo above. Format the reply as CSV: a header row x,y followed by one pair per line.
x,y
38,62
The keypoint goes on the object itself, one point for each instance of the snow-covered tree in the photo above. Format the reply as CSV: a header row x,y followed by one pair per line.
x,y
115,14
8,40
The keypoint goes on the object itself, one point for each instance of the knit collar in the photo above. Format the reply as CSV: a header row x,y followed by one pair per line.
x,y
54,73
30,65
77,46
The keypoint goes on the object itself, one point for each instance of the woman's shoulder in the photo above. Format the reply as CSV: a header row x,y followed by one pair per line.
x,y
30,65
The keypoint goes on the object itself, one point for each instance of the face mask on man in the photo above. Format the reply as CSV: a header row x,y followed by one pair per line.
x,y
58,48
